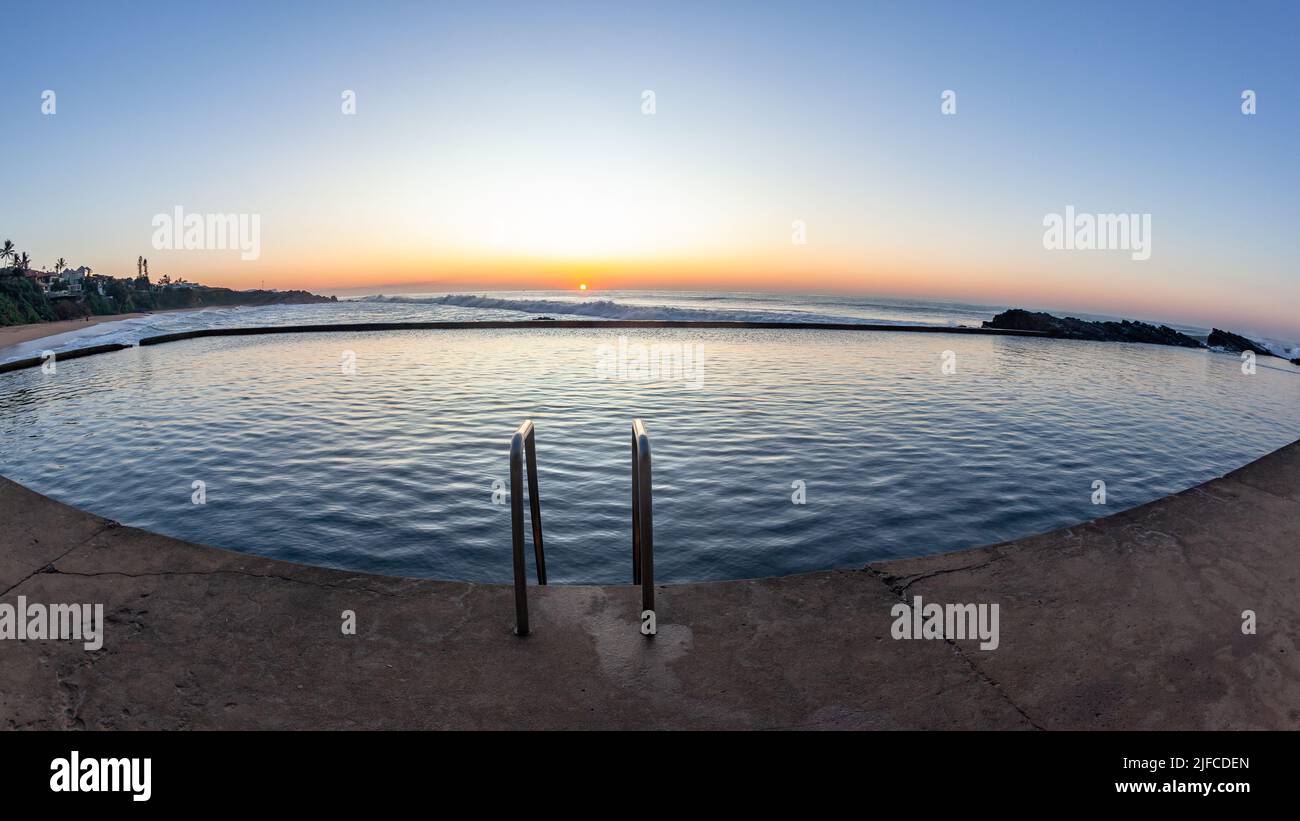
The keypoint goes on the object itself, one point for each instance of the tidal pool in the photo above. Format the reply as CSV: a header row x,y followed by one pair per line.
x,y
784,452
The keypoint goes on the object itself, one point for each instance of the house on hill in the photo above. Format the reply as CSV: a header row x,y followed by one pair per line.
x,y
76,277
43,279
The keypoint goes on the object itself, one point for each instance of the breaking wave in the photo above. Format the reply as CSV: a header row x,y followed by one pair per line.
x,y
609,309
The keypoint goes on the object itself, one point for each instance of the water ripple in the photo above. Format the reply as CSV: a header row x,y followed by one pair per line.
x,y
392,470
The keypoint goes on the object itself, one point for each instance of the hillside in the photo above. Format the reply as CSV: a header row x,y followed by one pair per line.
x,y
22,301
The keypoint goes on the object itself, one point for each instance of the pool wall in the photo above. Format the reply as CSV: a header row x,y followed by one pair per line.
x,y
534,324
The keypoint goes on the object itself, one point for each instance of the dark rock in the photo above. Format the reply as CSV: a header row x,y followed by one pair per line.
x,y
1070,327
202,296
1233,343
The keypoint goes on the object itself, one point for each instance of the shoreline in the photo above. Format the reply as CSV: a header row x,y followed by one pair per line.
x,y
12,336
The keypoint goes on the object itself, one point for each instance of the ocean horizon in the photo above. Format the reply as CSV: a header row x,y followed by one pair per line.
x,y
474,305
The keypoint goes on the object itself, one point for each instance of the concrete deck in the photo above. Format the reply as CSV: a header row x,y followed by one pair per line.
x,y
1133,621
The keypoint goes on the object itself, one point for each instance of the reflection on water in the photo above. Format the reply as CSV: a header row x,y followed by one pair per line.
x,y
391,469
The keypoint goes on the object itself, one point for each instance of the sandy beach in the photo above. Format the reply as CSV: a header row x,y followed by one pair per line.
x,y
18,334
11,335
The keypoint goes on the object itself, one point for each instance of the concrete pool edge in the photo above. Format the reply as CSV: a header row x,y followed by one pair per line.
x,y
509,324
75,353
1133,621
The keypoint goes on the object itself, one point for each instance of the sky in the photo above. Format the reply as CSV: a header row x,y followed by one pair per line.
x,y
507,146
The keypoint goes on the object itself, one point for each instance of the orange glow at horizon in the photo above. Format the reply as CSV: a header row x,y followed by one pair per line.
x,y
1081,283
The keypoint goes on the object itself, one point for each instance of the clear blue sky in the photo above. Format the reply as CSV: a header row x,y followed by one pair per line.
x,y
476,119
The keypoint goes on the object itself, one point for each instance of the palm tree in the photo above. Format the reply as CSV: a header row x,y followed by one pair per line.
x,y
21,263
59,265
7,250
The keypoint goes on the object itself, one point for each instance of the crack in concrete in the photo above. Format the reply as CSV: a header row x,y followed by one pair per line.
x,y
989,680
961,654
463,606
50,564
911,580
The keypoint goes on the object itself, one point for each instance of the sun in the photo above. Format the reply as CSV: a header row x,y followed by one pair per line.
x,y
582,286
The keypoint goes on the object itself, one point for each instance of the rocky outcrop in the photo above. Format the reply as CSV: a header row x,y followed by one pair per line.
x,y
1234,343
202,296
1070,327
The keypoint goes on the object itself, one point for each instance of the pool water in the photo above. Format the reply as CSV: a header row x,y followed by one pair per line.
x,y
775,452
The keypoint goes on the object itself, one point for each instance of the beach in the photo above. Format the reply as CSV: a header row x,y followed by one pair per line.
x,y
11,335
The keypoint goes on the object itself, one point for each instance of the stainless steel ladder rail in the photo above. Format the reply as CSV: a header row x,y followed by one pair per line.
x,y
523,450
523,454
643,550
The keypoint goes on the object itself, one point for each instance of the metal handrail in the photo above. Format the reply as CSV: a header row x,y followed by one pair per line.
x,y
523,449
523,452
643,552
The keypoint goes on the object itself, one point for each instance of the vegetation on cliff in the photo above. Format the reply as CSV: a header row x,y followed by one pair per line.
x,y
23,298
21,302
